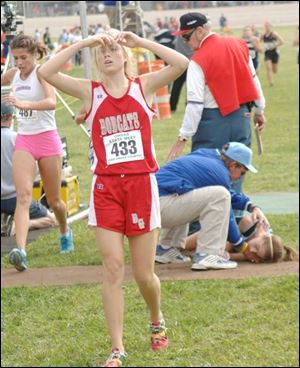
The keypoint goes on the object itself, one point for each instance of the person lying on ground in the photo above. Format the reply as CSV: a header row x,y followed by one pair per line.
x,y
263,245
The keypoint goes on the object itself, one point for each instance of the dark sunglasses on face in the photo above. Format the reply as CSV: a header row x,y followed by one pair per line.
x,y
187,36
243,172
243,169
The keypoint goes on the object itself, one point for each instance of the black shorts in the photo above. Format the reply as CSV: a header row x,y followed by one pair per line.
x,y
272,55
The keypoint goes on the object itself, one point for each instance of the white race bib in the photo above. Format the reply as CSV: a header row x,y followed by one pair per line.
x,y
123,147
27,114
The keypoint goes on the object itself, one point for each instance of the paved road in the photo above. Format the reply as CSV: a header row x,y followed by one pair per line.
x,y
238,17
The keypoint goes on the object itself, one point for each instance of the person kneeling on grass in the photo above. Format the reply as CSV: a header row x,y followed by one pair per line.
x,y
184,188
263,245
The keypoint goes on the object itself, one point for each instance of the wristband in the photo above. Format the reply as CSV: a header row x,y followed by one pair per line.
x,y
244,247
238,246
241,248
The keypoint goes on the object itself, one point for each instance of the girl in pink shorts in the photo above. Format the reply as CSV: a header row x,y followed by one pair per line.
x,y
40,145
37,141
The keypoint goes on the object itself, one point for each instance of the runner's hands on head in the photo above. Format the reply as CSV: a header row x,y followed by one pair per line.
x,y
128,39
103,40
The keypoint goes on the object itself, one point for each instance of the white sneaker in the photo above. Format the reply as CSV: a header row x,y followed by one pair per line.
x,y
170,255
210,261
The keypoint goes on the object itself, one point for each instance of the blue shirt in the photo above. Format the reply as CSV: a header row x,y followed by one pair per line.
x,y
113,3
201,168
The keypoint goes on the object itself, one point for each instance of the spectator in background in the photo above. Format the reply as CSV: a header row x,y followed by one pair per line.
x,y
72,34
271,41
184,49
255,31
253,44
173,26
4,48
47,40
221,87
76,38
166,23
37,35
226,28
110,9
159,23
63,37
164,37
222,22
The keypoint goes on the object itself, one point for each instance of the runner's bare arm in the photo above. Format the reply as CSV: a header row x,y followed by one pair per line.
x,y
7,77
47,103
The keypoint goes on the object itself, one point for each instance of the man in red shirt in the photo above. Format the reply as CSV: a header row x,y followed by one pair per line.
x,y
222,87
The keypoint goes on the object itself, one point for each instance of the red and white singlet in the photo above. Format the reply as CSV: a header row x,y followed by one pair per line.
x,y
121,131
124,195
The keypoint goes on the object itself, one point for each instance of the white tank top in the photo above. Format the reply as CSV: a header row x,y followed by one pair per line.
x,y
32,121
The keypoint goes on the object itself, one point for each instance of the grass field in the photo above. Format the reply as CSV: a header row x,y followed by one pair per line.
x,y
211,323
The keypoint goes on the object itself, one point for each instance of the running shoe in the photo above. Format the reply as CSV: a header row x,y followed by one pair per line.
x,y
159,338
170,255
17,258
116,359
203,261
66,242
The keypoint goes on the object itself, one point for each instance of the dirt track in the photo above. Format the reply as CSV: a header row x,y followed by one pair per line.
x,y
59,276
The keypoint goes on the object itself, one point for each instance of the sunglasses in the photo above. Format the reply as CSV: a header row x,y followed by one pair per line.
x,y
243,169
251,230
187,36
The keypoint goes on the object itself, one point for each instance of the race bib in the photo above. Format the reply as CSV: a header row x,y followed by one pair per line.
x,y
27,114
123,147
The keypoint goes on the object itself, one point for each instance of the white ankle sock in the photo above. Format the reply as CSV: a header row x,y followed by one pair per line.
x,y
165,246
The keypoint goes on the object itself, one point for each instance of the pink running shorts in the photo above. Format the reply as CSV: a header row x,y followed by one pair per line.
x,y
40,145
